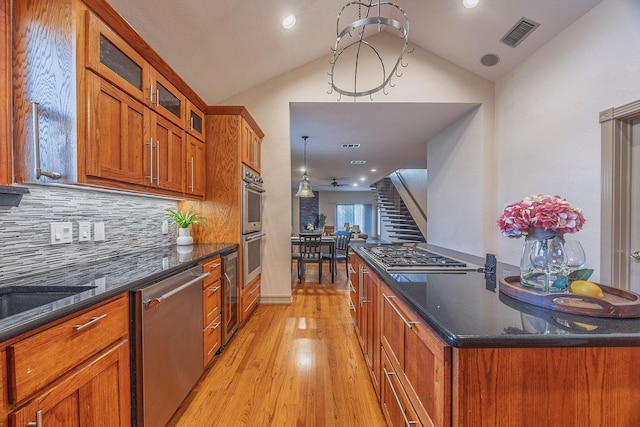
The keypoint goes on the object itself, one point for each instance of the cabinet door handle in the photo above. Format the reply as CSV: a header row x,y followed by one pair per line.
x,y
255,153
157,97
191,122
404,319
38,422
158,161
35,117
150,97
190,187
388,374
93,320
193,174
150,176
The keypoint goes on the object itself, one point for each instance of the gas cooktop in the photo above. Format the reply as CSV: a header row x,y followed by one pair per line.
x,y
412,259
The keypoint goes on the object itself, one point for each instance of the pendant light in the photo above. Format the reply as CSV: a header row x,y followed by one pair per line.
x,y
304,189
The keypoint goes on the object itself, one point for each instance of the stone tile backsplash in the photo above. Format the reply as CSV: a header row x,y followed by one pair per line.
x,y
132,223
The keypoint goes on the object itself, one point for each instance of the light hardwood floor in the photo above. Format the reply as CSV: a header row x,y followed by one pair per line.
x,y
290,365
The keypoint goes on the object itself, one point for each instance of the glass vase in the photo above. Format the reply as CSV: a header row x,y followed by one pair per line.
x,y
542,261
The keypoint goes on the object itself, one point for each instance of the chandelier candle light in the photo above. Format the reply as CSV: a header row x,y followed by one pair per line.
x,y
543,220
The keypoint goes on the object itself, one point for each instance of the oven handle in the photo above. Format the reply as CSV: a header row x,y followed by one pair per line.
x,y
157,301
252,186
250,237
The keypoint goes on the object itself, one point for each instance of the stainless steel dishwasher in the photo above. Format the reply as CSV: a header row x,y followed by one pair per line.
x,y
168,345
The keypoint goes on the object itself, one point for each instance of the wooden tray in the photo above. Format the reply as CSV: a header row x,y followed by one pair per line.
x,y
617,302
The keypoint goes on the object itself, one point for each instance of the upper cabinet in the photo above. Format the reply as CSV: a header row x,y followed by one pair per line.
x,y
251,146
105,112
115,60
195,121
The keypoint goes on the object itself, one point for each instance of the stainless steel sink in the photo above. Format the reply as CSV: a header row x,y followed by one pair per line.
x,y
16,299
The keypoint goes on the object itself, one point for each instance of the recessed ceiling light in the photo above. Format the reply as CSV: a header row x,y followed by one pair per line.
x,y
363,179
289,22
374,170
354,185
470,4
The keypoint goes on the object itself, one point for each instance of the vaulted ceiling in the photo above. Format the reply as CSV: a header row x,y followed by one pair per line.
x,y
224,47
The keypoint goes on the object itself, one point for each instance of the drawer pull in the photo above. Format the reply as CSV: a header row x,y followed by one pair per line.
x,y
38,422
216,265
214,326
404,319
253,291
404,415
214,289
90,322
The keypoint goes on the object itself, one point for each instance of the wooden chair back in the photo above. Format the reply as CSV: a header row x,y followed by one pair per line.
x,y
311,245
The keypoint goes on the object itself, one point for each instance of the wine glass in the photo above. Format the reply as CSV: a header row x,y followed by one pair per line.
x,y
548,256
576,257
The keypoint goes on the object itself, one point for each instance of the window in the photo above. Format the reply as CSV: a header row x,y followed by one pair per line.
x,y
355,214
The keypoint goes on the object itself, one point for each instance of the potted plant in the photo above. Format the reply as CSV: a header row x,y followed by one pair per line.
x,y
184,219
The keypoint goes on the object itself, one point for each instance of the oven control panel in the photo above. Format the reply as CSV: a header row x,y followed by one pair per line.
x,y
251,177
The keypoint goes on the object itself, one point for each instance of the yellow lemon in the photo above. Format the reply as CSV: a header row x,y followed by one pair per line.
x,y
584,287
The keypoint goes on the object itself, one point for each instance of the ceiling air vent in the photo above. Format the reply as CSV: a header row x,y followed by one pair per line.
x,y
358,162
350,145
519,32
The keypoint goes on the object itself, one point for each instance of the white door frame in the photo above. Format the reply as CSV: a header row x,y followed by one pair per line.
x,y
615,226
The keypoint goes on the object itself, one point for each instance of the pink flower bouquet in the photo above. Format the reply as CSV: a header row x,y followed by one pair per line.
x,y
544,212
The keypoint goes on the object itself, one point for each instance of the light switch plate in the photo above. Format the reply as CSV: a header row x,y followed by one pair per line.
x,y
98,231
84,231
60,232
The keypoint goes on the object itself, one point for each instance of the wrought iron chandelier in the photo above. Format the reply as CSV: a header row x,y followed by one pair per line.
x,y
351,47
304,188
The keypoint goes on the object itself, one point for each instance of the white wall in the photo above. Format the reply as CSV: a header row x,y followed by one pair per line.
x,y
547,130
428,78
327,201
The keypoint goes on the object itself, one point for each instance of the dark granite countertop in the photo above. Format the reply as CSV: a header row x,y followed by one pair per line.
x,y
108,277
469,312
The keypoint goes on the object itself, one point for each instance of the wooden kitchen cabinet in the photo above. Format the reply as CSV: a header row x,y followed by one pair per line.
x,y
354,291
419,361
107,116
370,324
249,298
118,149
195,173
114,59
195,123
251,146
75,372
211,308
222,203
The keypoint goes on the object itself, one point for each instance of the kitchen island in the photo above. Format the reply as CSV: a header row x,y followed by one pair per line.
x,y
450,349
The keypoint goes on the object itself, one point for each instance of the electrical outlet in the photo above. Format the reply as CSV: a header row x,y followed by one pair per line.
x,y
165,227
98,231
84,231
60,232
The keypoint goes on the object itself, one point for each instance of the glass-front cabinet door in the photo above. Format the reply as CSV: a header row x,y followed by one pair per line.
x,y
113,59
195,121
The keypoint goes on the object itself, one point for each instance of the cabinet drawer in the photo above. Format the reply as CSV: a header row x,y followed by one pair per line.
x,y
210,302
396,406
250,299
212,340
214,267
36,361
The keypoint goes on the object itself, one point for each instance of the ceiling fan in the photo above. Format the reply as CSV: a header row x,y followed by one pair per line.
x,y
334,183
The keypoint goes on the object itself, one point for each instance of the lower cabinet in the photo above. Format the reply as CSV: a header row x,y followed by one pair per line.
x,y
211,308
418,364
73,373
91,396
249,299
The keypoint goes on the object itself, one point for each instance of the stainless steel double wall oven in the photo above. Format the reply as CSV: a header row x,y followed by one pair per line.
x,y
252,232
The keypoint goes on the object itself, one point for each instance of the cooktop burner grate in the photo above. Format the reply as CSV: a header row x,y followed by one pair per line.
x,y
393,258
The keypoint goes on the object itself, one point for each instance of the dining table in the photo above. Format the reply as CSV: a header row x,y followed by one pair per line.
x,y
328,241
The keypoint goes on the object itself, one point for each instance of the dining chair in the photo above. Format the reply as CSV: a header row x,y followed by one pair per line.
x,y
341,250
310,252
328,230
